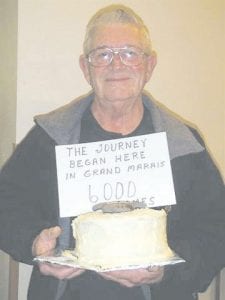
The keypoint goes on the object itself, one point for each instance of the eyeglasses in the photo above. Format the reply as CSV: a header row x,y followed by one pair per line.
x,y
103,56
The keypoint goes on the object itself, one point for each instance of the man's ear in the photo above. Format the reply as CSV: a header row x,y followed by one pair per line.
x,y
152,61
85,68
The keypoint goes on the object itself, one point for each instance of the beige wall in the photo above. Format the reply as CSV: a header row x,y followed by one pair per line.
x,y
189,79
8,61
8,49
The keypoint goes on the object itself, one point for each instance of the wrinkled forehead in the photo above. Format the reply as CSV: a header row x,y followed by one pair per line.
x,y
117,35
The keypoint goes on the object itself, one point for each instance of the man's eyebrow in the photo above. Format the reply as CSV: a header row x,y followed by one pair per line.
x,y
112,47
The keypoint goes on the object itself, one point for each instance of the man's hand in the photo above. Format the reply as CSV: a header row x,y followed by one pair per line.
x,y
58,271
44,244
135,277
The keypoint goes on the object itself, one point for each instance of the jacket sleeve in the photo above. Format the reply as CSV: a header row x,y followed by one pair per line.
x,y
26,192
196,226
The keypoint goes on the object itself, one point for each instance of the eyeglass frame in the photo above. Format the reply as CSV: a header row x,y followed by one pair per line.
x,y
116,50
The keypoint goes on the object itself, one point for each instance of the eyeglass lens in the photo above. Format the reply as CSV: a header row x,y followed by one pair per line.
x,y
103,56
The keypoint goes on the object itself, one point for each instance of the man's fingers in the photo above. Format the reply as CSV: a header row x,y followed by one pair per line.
x,y
45,242
131,278
60,272
53,232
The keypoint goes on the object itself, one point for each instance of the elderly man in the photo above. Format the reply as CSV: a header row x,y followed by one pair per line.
x,y
117,62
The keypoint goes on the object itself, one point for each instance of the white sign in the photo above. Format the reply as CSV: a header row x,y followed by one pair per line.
x,y
128,169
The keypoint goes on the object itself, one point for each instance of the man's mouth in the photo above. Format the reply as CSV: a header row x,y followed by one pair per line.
x,y
117,79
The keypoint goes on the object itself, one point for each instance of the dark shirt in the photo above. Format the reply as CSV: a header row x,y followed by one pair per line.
x,y
96,286
91,131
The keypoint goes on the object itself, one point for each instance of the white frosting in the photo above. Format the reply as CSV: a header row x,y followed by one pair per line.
x,y
111,240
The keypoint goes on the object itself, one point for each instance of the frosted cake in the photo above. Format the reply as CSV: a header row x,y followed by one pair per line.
x,y
112,240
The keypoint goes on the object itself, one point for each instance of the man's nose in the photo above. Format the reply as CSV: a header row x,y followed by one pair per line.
x,y
117,61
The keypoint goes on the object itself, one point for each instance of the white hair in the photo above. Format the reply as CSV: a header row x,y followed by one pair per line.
x,y
115,14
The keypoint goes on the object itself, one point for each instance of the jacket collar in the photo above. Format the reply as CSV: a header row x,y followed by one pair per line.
x,y
63,125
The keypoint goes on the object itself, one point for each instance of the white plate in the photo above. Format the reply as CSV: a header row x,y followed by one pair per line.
x,y
73,262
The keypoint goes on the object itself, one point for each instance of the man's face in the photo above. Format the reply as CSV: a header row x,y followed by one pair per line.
x,y
116,81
